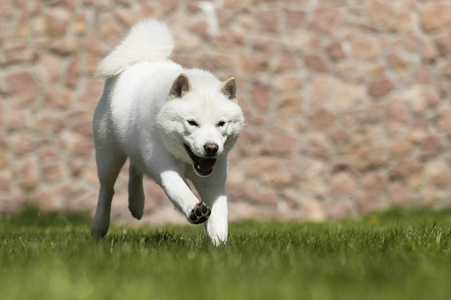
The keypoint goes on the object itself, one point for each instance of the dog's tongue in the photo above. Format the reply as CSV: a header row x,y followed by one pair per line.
x,y
206,164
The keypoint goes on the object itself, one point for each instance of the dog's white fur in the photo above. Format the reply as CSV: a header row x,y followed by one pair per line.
x,y
149,110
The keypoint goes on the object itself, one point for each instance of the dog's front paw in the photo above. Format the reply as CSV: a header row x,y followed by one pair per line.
x,y
200,213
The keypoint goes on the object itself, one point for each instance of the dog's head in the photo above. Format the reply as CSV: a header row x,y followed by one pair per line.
x,y
201,120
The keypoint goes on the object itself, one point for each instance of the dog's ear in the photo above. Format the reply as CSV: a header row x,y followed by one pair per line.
x,y
229,89
180,87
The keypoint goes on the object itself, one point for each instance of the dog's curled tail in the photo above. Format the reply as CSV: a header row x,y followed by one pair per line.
x,y
148,41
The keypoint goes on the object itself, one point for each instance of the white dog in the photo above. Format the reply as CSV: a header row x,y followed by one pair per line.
x,y
173,123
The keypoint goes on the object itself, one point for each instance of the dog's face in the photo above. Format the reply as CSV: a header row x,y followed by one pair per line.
x,y
200,123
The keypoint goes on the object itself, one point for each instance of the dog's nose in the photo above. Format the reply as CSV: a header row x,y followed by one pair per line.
x,y
211,148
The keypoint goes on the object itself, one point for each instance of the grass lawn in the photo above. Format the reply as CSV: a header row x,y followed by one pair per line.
x,y
395,255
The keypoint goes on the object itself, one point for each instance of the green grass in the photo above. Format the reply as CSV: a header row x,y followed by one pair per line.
x,y
395,255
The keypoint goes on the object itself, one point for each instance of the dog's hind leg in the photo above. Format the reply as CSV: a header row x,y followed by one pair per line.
x,y
109,163
135,192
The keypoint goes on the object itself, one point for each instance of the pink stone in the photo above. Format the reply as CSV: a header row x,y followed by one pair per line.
x,y
325,19
400,195
65,46
444,118
287,82
6,8
444,43
335,50
396,61
84,128
422,75
378,10
91,62
124,17
45,200
438,174
339,209
316,63
373,182
18,57
446,69
22,28
47,151
285,64
245,190
401,147
291,105
23,85
364,47
321,89
23,144
5,181
52,171
220,59
259,165
431,145
380,88
262,95
50,69
278,177
435,15
428,51
28,178
313,210
148,10
253,64
226,15
169,5
368,202
73,73
109,27
396,110
268,197
93,44
322,118
58,98
193,7
269,21
49,125
264,46
231,38
281,143
18,119
83,147
294,18
93,91
403,169
200,28
339,135
402,22
342,185
123,2
57,22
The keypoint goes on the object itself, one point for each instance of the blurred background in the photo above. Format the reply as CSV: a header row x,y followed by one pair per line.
x,y
347,102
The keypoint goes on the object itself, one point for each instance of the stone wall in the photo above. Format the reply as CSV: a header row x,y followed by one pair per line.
x,y
347,102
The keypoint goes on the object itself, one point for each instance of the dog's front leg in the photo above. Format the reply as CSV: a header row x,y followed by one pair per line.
x,y
212,192
178,191
217,225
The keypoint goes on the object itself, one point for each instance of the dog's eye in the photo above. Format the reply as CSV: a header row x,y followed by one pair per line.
x,y
221,123
193,123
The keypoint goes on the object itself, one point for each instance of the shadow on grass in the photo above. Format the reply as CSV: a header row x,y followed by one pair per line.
x,y
31,216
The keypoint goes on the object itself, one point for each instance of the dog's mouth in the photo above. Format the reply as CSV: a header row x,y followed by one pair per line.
x,y
202,165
